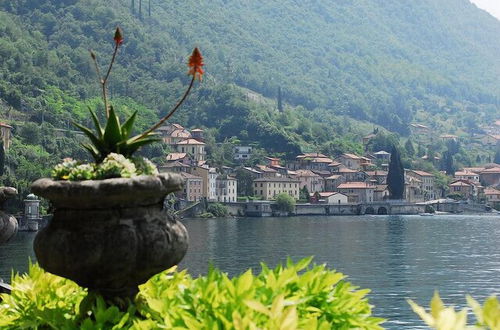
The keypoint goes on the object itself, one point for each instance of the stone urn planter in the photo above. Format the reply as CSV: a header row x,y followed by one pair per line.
x,y
110,235
8,224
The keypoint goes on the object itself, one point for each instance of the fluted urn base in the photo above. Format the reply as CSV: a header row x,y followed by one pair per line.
x,y
8,227
110,235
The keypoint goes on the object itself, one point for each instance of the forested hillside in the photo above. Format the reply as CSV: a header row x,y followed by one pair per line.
x,y
343,67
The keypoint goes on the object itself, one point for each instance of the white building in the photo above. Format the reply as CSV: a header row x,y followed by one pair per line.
x,y
212,184
242,153
226,188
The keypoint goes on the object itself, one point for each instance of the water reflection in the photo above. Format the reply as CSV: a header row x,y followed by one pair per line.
x,y
398,257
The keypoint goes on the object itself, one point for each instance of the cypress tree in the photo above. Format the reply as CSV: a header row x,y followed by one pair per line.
x,y
421,151
410,150
447,164
280,101
396,175
497,156
149,8
2,158
304,193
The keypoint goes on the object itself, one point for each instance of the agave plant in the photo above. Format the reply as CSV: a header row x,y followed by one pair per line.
x,y
114,137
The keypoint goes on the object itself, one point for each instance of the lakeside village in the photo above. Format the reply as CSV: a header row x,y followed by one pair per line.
x,y
348,184
319,184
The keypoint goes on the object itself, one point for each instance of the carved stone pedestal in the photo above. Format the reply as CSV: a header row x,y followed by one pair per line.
x,y
110,235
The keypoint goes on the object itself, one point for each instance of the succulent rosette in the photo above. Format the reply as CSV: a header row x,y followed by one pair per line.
x,y
111,144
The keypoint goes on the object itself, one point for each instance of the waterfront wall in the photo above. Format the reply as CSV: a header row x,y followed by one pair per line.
x,y
381,208
236,208
326,209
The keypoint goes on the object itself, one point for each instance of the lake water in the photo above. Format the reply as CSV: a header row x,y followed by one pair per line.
x,y
398,257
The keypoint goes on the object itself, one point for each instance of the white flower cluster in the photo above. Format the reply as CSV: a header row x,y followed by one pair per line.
x,y
113,166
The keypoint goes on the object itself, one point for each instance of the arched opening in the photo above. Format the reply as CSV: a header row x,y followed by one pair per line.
x,y
382,210
369,210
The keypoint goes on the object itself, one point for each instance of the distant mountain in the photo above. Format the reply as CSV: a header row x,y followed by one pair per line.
x,y
376,60
344,68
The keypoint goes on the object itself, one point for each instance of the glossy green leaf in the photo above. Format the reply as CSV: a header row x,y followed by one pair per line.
x,y
112,133
96,141
128,126
97,123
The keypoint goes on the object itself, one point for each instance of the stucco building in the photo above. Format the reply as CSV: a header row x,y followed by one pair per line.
x,y
269,187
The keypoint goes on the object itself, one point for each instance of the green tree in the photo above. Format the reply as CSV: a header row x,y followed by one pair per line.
x,y
280,101
285,202
218,210
304,194
2,158
245,182
396,175
447,163
497,156
441,182
383,142
410,150
420,150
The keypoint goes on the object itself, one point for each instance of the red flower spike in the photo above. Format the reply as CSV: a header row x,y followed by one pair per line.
x,y
118,36
195,64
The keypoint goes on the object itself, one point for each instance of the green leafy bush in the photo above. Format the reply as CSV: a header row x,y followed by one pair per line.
x,y
429,209
287,297
285,202
218,210
443,318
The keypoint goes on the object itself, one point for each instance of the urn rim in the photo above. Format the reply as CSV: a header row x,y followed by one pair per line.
x,y
116,192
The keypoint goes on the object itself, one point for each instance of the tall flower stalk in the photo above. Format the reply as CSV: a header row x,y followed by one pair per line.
x,y
114,137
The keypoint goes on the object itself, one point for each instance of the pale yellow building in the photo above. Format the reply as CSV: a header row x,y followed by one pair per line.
x,y
427,183
193,147
269,187
5,135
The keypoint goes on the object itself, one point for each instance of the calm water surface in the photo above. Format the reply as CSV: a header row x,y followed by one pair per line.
x,y
398,257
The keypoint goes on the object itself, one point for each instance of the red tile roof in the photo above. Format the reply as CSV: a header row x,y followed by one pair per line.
x,y
176,156
322,160
334,164
491,170
346,170
422,173
460,183
190,141
491,191
306,173
351,156
376,173
180,133
355,185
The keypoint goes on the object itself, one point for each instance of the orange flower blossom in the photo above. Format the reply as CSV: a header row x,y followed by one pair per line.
x,y
195,64
118,36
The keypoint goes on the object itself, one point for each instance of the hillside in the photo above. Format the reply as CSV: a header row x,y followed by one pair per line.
x,y
344,67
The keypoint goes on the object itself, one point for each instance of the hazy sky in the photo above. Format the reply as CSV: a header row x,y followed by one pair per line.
x,y
492,6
